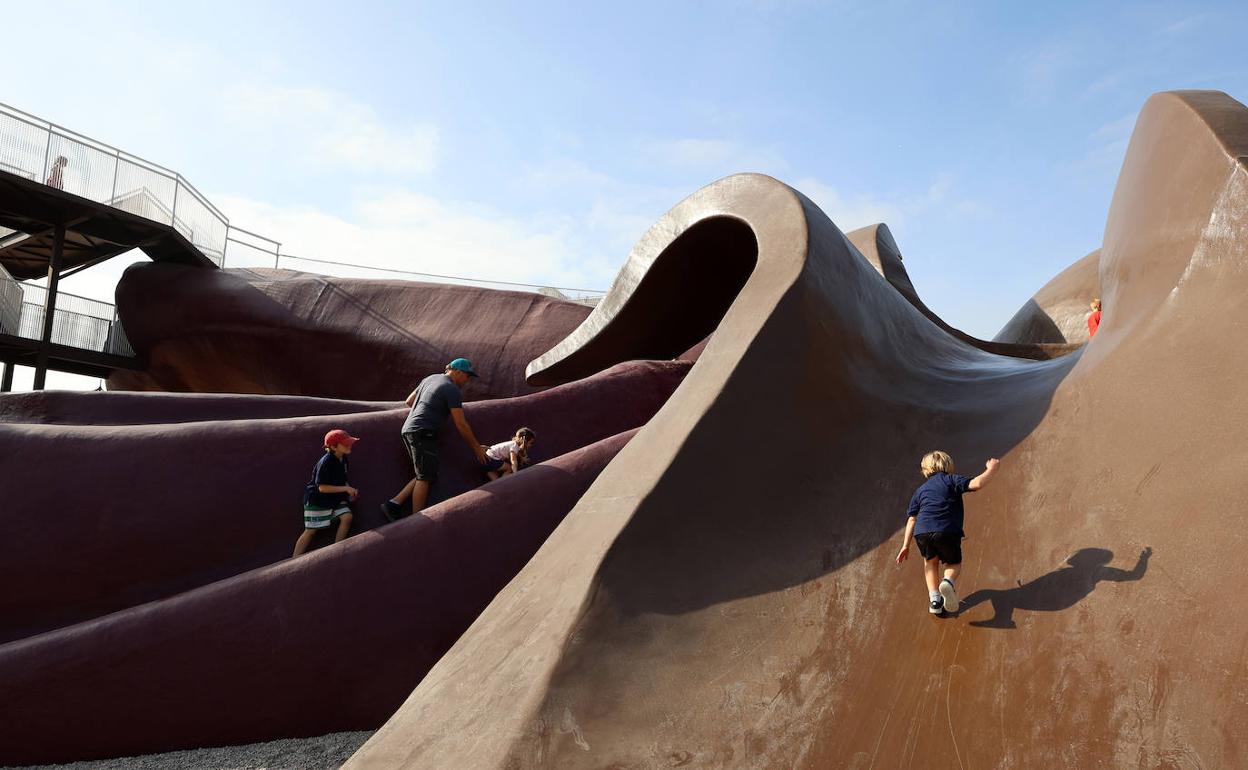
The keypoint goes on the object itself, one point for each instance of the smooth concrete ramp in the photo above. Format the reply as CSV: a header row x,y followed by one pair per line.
x,y
725,594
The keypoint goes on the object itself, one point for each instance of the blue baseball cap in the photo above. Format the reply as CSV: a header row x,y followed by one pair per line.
x,y
463,365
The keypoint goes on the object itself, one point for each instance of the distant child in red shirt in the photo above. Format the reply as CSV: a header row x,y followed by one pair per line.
x,y
935,521
1094,318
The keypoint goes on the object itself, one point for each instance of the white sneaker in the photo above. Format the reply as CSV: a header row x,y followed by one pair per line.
x,y
949,595
936,606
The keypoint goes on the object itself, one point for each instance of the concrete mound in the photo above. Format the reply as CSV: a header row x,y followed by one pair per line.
x,y
725,594
328,642
160,508
285,332
877,246
1059,311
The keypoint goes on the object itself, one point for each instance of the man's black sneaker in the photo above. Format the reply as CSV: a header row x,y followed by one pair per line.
x,y
937,606
392,510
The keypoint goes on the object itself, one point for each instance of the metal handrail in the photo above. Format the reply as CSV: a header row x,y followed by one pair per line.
x,y
180,184
95,327
255,235
40,123
169,210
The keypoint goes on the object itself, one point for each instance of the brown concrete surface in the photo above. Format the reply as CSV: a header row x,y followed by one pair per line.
x,y
286,332
328,642
725,594
61,407
110,517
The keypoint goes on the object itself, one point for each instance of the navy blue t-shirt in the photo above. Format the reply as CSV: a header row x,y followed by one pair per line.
x,y
436,396
332,471
937,504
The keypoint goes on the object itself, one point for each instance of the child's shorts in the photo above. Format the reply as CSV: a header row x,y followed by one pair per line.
x,y
320,518
492,465
946,545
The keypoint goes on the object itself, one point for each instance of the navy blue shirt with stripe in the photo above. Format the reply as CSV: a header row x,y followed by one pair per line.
x,y
937,504
332,471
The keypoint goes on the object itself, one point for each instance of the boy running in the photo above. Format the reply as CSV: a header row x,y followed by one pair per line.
x,y
935,521
327,496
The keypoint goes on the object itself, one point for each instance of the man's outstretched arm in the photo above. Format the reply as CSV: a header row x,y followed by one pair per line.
x,y
465,430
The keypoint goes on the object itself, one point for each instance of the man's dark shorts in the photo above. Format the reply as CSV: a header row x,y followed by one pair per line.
x,y
946,545
422,445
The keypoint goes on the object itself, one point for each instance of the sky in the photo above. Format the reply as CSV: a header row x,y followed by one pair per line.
x,y
536,142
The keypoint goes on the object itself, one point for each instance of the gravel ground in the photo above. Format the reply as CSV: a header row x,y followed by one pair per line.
x,y
327,752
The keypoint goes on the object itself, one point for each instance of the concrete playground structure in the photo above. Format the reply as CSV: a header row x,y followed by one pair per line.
x,y
700,574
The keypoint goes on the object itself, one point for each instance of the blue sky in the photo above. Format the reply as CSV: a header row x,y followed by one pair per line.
x,y
535,141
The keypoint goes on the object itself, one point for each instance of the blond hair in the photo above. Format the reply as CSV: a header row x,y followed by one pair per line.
x,y
936,462
1096,303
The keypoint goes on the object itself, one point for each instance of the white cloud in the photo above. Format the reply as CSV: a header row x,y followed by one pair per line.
x,y
852,212
1040,70
1185,24
1102,84
402,230
1107,146
1116,129
562,174
722,156
326,128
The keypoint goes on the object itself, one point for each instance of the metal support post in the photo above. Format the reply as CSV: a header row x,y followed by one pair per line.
x,y
49,309
6,380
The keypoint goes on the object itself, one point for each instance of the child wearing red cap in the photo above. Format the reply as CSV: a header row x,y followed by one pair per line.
x,y
327,496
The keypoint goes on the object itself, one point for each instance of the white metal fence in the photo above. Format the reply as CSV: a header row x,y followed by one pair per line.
x,y
78,322
45,152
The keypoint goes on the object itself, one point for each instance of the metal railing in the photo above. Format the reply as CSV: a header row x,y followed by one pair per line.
x,y
77,322
56,156
64,159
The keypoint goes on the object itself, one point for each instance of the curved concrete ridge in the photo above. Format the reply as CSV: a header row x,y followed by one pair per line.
x,y
812,322
877,246
1059,311
725,593
156,509
324,643
650,313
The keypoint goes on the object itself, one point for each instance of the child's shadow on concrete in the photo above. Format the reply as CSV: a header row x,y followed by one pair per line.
x,y
1059,590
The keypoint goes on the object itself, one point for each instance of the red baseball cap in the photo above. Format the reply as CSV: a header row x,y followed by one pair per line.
x,y
339,436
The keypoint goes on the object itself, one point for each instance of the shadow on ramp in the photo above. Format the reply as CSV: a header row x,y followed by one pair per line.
x,y
1059,590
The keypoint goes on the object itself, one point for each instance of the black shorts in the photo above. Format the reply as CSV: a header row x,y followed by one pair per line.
x,y
945,545
422,445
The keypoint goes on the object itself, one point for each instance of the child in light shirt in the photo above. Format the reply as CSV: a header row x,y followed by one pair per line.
x,y
509,456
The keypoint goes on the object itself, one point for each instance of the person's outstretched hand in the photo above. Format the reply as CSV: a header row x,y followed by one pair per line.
x,y
903,553
992,464
479,451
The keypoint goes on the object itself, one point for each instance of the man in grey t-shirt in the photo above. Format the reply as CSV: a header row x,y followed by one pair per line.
x,y
436,398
